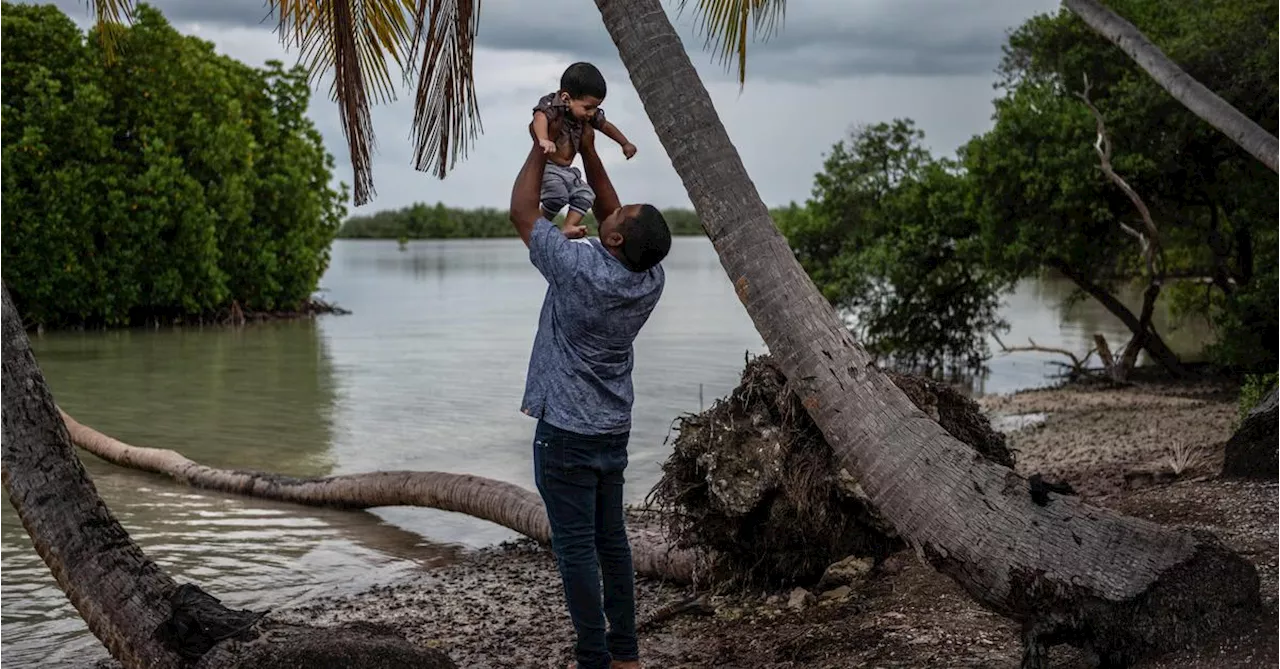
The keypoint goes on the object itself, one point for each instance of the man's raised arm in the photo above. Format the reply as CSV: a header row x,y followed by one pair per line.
x,y
606,198
526,194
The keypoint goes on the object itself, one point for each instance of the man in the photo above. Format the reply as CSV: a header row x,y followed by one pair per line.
x,y
599,295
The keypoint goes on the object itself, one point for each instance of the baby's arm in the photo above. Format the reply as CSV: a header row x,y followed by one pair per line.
x,y
599,122
612,132
541,132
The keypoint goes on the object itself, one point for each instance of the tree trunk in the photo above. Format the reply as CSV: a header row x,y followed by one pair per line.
x,y
121,594
1069,571
1152,342
1251,452
136,610
1192,94
499,502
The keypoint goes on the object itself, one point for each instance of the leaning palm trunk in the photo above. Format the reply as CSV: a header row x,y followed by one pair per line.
x,y
503,503
1068,571
138,612
1192,94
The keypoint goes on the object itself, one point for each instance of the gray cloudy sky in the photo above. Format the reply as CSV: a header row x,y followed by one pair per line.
x,y
835,62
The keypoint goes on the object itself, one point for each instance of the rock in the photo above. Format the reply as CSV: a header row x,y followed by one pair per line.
x,y
799,599
837,594
847,572
1251,452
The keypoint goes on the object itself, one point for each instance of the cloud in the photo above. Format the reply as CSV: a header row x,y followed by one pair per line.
x,y
819,38
834,64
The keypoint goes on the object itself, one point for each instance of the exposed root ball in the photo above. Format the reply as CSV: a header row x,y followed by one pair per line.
x,y
753,482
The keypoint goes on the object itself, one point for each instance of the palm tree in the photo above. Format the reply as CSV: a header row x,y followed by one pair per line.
x,y
1067,570
1192,94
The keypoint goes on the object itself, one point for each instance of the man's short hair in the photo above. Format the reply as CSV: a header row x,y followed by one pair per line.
x,y
646,239
582,79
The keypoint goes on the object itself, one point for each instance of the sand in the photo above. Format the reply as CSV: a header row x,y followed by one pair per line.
x,y
1119,447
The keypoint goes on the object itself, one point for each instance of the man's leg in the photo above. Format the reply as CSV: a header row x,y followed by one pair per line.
x,y
615,555
567,478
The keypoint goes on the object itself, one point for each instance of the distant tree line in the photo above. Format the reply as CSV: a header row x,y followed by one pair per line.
x,y
166,184
424,221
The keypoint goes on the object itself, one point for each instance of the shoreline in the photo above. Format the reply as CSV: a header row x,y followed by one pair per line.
x,y
502,606
229,316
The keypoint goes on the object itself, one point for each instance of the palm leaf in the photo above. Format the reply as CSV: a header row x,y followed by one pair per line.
x,y
354,41
111,17
446,115
729,25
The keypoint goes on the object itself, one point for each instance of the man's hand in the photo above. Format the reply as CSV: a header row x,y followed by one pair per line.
x,y
547,145
574,231
628,150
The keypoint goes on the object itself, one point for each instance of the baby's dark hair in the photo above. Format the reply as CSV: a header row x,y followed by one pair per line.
x,y
646,239
582,79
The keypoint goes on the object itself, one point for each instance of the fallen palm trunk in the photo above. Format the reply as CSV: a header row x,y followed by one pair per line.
x,y
503,503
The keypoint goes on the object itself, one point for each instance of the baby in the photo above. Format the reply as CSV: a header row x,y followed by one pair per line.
x,y
563,112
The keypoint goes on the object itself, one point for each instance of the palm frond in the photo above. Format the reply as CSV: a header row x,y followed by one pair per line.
x,y
446,114
111,17
729,25
354,41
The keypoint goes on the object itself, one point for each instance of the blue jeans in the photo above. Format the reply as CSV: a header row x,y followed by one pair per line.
x,y
580,480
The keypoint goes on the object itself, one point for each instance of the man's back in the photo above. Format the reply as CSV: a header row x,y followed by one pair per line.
x,y
580,370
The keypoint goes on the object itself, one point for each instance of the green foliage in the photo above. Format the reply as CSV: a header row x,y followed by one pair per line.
x,y
887,237
423,221
166,183
1043,202
1251,392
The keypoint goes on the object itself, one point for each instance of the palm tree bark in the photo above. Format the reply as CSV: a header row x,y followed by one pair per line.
x,y
122,595
499,502
1069,571
1192,94
120,592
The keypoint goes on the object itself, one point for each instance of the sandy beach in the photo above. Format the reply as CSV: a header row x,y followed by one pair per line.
x,y
1119,447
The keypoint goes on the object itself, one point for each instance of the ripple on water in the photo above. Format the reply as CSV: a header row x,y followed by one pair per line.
x,y
250,553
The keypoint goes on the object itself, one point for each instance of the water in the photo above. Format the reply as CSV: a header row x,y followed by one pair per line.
x,y
427,373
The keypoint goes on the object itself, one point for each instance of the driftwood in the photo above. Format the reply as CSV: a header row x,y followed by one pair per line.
x,y
1079,365
499,502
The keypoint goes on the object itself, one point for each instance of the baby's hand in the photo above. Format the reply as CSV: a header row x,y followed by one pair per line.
x,y
547,145
628,150
574,231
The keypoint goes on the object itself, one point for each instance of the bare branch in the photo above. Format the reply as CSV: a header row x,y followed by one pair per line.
x,y
1152,250
1079,365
